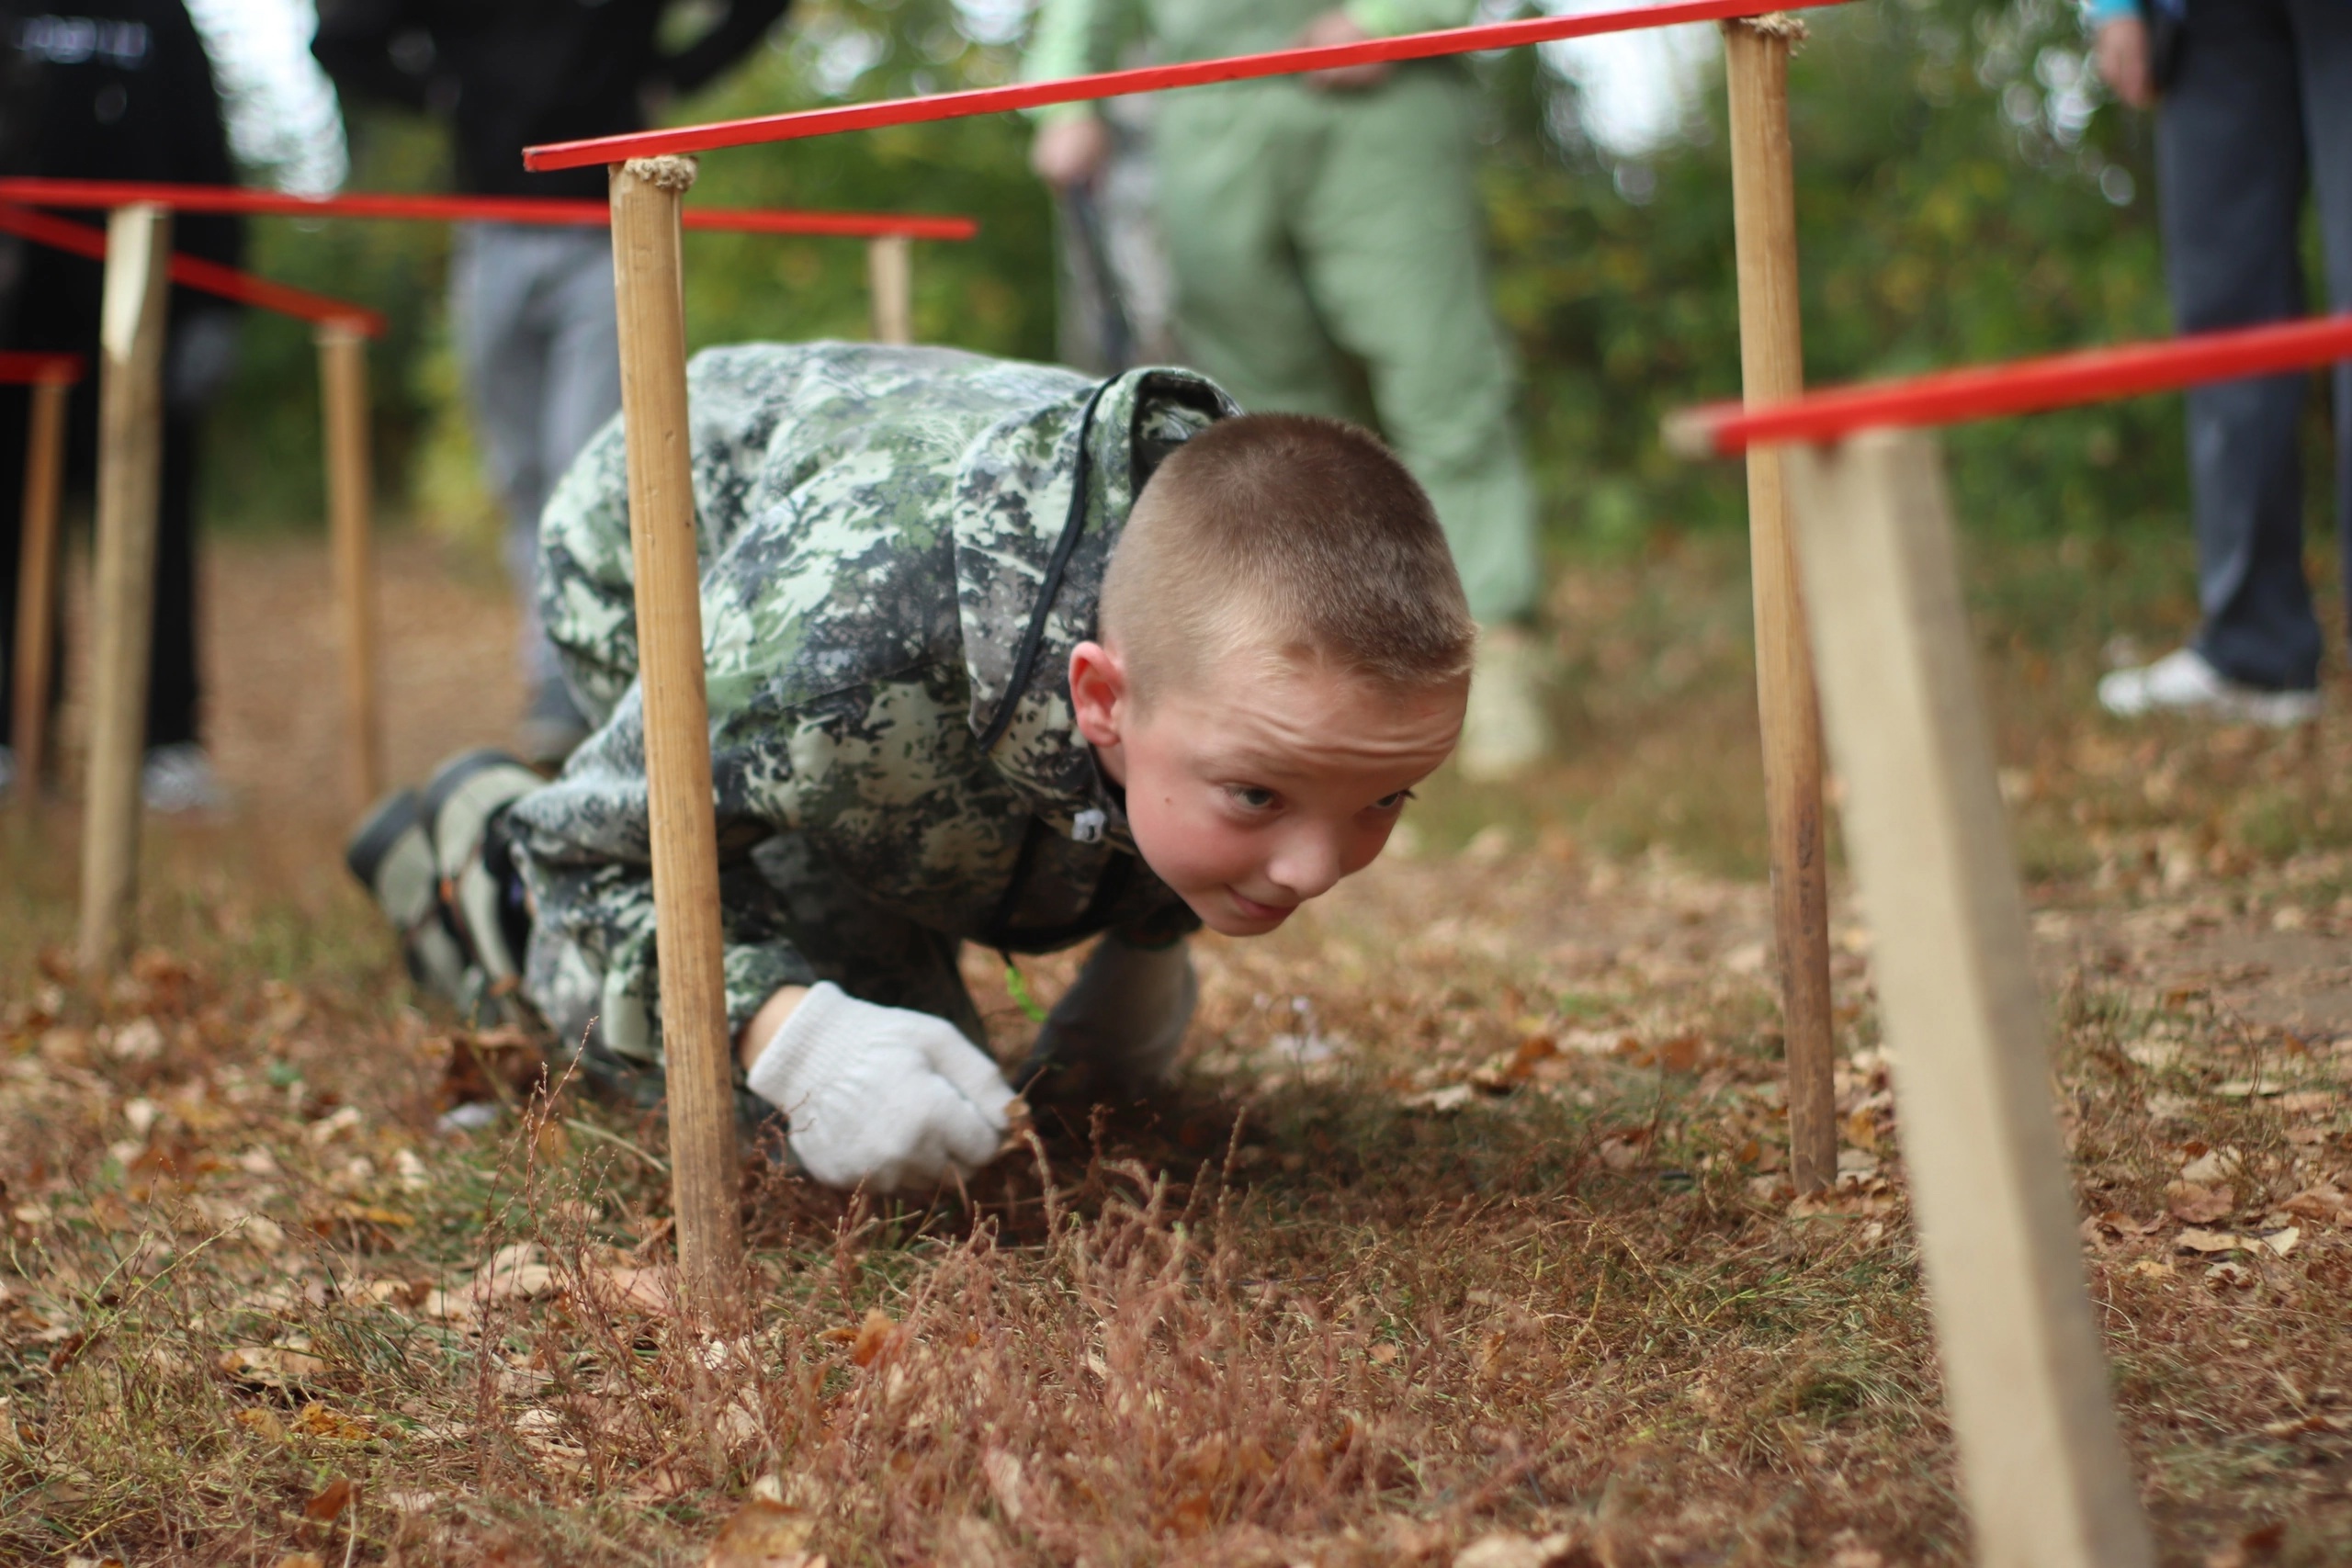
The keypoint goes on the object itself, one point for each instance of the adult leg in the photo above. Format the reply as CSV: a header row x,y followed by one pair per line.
x,y
2230,160
2323,50
583,393
172,679
583,352
1227,165
15,404
1392,240
496,305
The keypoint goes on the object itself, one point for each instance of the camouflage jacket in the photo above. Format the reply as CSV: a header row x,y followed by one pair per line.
x,y
875,525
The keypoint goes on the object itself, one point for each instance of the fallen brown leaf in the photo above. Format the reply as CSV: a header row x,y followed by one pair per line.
x,y
1503,1548
272,1366
332,1499
516,1273
2324,1203
651,1290
262,1423
317,1420
2198,1205
763,1535
874,1338
2194,1240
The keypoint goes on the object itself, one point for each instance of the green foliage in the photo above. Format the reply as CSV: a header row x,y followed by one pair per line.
x,y
1957,200
1950,209
993,294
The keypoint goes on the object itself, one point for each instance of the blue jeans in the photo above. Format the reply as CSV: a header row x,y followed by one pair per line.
x,y
2260,112
536,337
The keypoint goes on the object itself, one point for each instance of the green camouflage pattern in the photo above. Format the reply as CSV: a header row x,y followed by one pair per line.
x,y
875,526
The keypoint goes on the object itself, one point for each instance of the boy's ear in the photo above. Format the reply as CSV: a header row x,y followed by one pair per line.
x,y
1098,692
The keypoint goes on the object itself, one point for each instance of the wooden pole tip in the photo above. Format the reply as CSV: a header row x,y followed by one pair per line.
x,y
670,173
1772,24
1690,433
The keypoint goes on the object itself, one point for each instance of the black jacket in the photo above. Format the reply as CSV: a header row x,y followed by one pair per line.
x,y
106,90
515,73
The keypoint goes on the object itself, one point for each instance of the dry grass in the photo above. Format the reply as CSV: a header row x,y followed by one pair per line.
x,y
1466,1218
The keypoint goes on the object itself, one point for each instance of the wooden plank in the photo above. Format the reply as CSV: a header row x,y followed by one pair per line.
x,y
706,1180
1771,353
130,450
889,275
2041,1464
343,388
37,584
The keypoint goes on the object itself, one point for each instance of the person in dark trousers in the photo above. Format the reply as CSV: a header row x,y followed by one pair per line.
x,y
118,90
531,307
2254,116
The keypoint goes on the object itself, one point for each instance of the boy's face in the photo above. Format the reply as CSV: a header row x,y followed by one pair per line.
x,y
1260,785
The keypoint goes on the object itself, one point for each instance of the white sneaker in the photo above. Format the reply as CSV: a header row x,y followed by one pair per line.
x,y
1504,731
179,778
2182,682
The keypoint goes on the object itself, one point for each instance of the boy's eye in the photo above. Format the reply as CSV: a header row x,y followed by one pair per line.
x,y
1250,797
1393,802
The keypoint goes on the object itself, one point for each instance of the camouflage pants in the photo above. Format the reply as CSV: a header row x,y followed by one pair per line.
x,y
874,954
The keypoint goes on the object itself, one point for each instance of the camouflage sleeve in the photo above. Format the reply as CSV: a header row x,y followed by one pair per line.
x,y
588,862
587,594
857,773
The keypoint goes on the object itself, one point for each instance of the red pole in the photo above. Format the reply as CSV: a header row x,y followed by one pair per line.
x,y
2023,385
474,209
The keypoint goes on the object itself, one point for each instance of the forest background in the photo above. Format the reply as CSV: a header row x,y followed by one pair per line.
x,y
1965,192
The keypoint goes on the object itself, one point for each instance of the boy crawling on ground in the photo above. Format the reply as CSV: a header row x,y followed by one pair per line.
x,y
995,654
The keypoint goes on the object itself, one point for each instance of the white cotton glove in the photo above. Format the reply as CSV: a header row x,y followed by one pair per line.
x,y
880,1097
1125,1016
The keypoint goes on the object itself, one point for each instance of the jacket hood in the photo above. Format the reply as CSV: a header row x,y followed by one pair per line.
x,y
1013,502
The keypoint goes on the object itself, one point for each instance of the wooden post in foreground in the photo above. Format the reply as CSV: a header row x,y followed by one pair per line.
x,y
130,452
343,388
705,1181
1772,357
891,281
36,583
2041,1465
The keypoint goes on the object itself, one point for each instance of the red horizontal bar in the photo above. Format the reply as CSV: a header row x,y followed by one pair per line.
x,y
570,212
209,277
18,369
1143,79
2025,386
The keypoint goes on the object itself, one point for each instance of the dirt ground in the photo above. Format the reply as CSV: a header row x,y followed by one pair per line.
x,y
1466,1234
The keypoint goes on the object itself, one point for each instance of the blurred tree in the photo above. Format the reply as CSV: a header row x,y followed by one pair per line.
x,y
1957,200
1962,195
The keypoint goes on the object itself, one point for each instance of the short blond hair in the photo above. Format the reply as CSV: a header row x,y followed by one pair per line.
x,y
1301,535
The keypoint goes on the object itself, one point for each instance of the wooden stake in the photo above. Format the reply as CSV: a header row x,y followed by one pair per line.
x,y
342,386
1771,354
130,450
704,1180
890,278
2043,1467
36,583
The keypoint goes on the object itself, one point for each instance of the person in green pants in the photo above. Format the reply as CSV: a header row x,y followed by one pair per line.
x,y
1311,221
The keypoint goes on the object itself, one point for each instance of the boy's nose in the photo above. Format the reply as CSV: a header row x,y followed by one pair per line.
x,y
1307,867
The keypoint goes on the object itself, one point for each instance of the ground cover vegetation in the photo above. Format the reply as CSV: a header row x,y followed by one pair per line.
x,y
1464,1241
